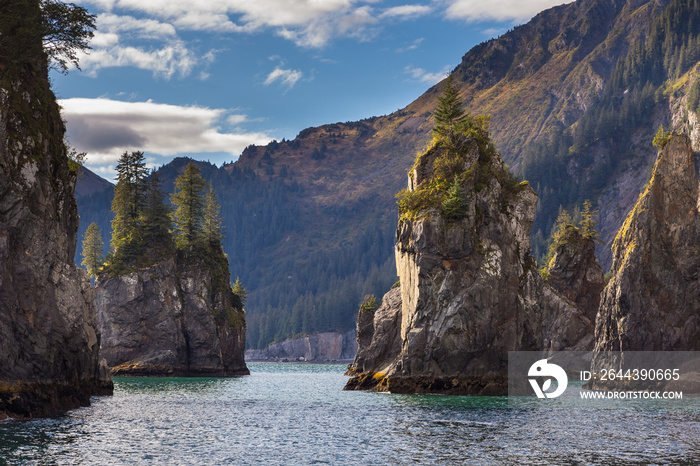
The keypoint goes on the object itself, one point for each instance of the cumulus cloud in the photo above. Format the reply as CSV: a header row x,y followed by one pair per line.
x,y
308,23
163,53
498,10
424,76
287,77
171,59
105,128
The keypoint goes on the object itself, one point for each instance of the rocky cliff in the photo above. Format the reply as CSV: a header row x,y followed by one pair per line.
x,y
49,341
572,294
326,346
652,302
469,289
175,318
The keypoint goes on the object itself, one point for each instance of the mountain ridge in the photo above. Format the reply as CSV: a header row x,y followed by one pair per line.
x,y
310,221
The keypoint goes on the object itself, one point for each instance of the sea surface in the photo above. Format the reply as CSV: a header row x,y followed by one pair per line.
x,y
298,414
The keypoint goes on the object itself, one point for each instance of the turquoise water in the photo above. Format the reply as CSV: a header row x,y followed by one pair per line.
x,y
298,414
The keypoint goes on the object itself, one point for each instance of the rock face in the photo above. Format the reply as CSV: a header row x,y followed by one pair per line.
x,y
469,289
652,302
572,295
171,319
49,342
326,346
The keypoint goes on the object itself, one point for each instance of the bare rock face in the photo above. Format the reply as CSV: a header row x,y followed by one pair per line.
x,y
652,302
49,341
171,319
469,290
325,346
379,341
572,295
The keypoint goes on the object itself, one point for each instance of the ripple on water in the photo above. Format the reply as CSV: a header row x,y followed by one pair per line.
x,y
298,414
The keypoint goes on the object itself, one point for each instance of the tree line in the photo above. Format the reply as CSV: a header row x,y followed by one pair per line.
x,y
145,228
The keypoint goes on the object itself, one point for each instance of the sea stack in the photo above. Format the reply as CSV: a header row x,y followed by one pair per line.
x,y
49,341
571,294
469,288
652,301
178,317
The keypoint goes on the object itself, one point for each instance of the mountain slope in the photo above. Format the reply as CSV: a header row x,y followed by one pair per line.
x,y
575,97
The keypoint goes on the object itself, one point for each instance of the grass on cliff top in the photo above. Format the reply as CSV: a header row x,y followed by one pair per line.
x,y
445,191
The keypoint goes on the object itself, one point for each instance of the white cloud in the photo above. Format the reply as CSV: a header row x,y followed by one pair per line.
x,y
165,56
498,10
406,11
106,128
309,23
287,77
424,76
142,28
173,58
414,45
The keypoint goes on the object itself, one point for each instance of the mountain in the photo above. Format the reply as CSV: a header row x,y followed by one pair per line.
x,y
575,97
94,197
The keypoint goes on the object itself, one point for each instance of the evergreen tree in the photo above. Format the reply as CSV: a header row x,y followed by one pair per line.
x,y
454,207
93,247
449,114
128,203
212,228
189,201
239,290
589,222
155,220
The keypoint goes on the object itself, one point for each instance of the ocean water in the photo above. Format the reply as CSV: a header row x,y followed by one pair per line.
x,y
298,414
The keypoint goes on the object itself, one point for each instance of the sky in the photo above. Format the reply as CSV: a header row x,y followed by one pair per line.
x,y
206,78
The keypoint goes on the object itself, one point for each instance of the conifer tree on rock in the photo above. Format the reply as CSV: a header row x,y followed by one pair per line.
x,y
189,201
92,249
212,228
127,205
156,221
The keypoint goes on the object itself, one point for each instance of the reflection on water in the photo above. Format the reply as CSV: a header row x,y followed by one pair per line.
x,y
297,414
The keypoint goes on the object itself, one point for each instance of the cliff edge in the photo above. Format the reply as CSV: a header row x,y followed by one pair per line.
x,y
49,339
652,301
178,317
469,288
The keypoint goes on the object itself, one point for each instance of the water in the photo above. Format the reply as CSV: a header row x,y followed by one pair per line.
x,y
297,414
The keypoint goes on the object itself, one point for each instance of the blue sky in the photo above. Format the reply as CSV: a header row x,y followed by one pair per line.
x,y
206,78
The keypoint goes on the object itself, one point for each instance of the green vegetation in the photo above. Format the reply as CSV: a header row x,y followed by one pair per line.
x,y
454,206
212,228
239,290
455,136
369,303
92,250
450,114
661,138
189,202
145,229
638,84
67,30
127,206
566,231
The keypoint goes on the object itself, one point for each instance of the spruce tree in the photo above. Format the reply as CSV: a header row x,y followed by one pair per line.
x,y
92,249
239,290
212,228
128,202
449,114
589,222
189,201
155,221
